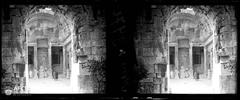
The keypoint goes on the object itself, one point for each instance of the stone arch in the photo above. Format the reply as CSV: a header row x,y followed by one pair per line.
x,y
63,17
83,27
206,19
220,23
32,13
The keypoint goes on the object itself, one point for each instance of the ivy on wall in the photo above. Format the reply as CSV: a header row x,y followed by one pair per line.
x,y
97,68
230,66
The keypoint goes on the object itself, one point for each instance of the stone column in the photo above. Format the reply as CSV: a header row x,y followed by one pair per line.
x,y
176,56
26,69
50,59
26,63
35,61
74,69
216,67
205,61
168,65
191,58
74,76
64,66
168,73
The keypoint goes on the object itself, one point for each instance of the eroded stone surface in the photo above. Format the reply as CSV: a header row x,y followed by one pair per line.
x,y
197,28
57,26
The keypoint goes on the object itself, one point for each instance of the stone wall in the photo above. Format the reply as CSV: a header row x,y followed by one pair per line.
x,y
227,49
12,50
88,32
151,41
89,41
151,49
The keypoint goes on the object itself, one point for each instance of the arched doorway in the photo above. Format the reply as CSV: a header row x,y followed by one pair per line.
x,y
49,42
190,42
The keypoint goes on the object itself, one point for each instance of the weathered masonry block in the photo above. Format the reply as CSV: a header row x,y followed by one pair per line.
x,y
227,52
149,48
11,47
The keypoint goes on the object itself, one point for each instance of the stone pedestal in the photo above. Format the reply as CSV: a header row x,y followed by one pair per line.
x,y
68,73
209,74
164,85
49,73
35,76
181,73
85,84
190,72
41,72
228,84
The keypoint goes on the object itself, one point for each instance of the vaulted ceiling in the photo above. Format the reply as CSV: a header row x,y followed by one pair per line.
x,y
47,25
54,21
185,25
207,19
197,23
